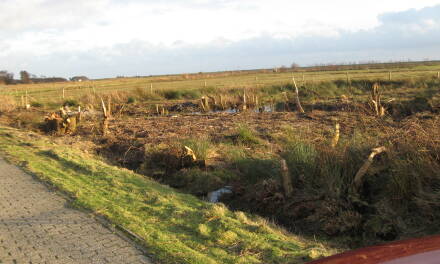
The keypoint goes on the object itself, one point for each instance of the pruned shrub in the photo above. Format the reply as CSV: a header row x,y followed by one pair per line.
x,y
70,102
37,104
181,94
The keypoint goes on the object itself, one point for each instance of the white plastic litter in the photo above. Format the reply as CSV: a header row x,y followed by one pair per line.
x,y
215,196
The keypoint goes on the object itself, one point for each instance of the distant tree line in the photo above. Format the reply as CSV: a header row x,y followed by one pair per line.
x,y
25,77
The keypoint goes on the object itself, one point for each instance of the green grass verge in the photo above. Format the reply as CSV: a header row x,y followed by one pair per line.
x,y
175,227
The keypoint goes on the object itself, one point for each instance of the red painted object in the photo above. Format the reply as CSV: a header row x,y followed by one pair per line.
x,y
413,251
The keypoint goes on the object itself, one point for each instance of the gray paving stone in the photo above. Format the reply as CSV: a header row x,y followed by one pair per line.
x,y
36,226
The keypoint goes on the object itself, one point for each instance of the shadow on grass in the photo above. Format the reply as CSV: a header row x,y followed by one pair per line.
x,y
67,164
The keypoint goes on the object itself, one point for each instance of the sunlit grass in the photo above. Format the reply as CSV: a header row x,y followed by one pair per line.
x,y
175,227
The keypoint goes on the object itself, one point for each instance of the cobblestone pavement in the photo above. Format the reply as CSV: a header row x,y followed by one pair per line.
x,y
37,227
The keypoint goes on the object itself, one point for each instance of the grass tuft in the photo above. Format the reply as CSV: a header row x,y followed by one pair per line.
x,y
200,146
247,136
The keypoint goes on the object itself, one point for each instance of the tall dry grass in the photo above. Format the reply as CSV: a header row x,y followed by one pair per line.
x,y
7,104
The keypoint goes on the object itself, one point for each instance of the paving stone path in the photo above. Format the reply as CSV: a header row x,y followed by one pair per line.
x,y
37,227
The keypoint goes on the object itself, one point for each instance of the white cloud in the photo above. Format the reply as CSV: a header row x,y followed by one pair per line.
x,y
196,35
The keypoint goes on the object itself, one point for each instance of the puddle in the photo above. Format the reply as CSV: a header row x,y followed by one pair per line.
x,y
263,109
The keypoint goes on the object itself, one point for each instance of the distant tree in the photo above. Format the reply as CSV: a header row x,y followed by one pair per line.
x,y
294,66
283,68
6,77
25,77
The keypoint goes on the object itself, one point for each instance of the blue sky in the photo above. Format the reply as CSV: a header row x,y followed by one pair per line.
x,y
106,38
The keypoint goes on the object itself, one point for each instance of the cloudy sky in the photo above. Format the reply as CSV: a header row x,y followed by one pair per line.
x,y
105,38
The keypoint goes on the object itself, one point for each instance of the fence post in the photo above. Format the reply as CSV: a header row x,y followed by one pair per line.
x,y
244,100
287,183
389,77
26,101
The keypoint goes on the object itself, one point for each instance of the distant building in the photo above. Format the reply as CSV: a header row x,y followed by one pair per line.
x,y
79,79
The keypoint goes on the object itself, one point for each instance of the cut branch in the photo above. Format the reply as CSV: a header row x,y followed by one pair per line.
x,y
298,103
358,179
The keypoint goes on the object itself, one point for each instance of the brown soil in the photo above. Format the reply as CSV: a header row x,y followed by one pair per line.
x,y
130,133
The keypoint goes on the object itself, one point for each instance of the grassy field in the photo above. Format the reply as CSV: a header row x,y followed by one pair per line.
x,y
175,227
58,92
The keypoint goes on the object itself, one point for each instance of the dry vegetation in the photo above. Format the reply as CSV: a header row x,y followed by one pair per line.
x,y
363,161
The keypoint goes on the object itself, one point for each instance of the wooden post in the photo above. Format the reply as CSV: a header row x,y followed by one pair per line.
x,y
26,101
438,75
105,119
304,78
205,84
151,87
348,78
298,103
109,108
287,183
79,114
335,139
63,93
244,100
221,103
389,76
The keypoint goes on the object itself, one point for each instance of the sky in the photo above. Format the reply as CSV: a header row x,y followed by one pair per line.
x,y
108,38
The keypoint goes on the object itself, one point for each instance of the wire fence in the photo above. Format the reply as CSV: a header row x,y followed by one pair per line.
x,y
74,90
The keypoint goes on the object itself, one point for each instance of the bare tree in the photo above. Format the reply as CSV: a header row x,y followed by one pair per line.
x,y
294,66
6,77
25,77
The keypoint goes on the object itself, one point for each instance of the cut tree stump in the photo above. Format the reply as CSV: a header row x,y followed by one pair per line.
x,y
287,182
359,177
